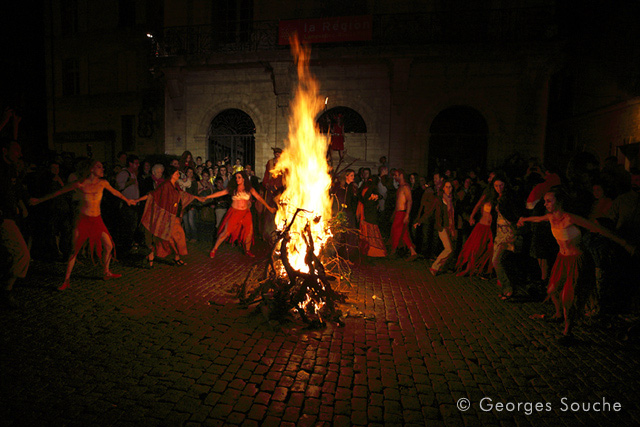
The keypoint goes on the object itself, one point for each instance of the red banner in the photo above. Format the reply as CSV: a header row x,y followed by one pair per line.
x,y
327,30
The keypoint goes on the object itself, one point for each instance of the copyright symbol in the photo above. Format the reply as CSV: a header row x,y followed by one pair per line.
x,y
463,404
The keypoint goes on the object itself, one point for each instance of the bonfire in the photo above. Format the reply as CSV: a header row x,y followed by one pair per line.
x,y
295,278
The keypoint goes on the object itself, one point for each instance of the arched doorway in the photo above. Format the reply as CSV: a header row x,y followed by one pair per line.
x,y
353,131
458,140
231,134
352,120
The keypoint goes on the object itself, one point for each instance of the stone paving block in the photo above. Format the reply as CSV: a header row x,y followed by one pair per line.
x,y
243,404
391,418
176,418
286,381
272,421
291,414
257,412
211,422
280,394
268,386
230,396
236,418
392,407
221,411
295,399
276,408
342,407
374,385
391,394
187,404
360,391
311,406
341,420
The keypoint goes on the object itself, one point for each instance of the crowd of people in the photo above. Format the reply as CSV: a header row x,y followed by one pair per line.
x,y
151,208
568,236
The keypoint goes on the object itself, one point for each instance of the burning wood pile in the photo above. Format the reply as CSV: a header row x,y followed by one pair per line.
x,y
294,278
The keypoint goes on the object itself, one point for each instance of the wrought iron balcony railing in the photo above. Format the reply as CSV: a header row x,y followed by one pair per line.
x,y
486,26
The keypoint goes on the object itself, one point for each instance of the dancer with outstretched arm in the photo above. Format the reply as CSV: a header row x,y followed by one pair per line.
x,y
238,223
162,218
572,271
89,225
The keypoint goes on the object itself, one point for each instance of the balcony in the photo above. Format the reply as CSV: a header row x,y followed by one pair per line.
x,y
502,26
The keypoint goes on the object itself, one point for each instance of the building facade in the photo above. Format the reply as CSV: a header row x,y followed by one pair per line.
x,y
434,87
428,84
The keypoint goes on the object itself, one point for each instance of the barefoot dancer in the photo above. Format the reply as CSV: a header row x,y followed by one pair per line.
x,y
89,225
400,227
569,271
477,251
237,223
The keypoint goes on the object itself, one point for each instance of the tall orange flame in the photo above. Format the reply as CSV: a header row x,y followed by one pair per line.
x,y
304,166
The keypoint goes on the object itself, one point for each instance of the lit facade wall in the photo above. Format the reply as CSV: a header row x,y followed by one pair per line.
x,y
398,92
605,132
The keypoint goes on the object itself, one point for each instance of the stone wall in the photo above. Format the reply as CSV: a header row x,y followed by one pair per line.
x,y
601,132
398,101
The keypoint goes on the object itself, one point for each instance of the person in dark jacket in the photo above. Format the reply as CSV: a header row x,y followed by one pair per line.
x,y
371,242
346,203
446,221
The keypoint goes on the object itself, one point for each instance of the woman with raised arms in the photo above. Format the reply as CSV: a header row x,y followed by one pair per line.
x,y
571,274
237,224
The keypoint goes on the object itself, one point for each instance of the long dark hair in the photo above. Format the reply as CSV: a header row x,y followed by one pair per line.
x,y
232,187
492,194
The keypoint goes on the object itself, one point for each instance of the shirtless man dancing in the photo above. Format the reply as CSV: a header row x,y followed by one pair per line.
x,y
400,227
89,225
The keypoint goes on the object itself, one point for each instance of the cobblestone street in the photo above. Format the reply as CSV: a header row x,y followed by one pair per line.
x,y
172,347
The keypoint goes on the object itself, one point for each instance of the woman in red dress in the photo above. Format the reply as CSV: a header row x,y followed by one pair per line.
x,y
477,251
572,273
237,224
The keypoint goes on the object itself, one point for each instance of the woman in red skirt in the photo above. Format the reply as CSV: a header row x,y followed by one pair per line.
x,y
570,275
477,251
237,224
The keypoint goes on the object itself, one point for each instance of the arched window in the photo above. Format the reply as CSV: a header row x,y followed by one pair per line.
x,y
231,134
353,122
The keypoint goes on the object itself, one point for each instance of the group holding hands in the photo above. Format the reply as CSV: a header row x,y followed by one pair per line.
x,y
161,216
